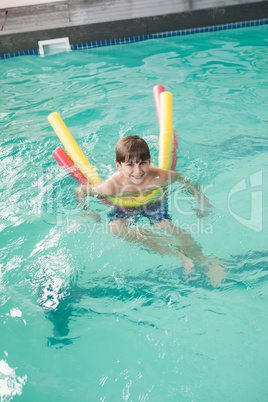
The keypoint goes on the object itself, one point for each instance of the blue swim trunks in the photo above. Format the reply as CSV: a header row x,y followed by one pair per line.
x,y
154,212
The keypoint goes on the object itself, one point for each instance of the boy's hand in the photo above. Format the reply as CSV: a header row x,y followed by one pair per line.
x,y
204,209
80,194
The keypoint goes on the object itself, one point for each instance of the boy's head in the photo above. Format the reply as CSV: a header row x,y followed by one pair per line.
x,y
132,148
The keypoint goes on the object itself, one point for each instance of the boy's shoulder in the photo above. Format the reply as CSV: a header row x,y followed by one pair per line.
x,y
161,177
161,174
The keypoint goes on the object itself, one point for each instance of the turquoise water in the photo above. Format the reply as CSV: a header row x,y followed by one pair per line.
x,y
86,316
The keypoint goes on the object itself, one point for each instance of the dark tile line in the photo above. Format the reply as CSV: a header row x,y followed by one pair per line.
x,y
139,38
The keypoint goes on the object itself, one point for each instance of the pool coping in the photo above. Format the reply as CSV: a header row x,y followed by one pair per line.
x,y
139,29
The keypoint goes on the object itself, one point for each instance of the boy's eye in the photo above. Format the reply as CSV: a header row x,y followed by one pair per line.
x,y
131,164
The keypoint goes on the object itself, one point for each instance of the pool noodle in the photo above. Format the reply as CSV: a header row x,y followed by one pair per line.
x,y
166,138
65,161
174,153
115,201
73,149
68,141
157,90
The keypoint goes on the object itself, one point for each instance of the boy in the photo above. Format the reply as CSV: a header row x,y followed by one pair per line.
x,y
134,177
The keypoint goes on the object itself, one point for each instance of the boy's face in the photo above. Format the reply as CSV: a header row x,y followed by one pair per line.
x,y
135,172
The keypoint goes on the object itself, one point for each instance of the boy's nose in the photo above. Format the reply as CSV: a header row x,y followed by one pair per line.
x,y
137,168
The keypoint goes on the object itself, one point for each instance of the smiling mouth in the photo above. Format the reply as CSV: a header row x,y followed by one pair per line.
x,y
137,177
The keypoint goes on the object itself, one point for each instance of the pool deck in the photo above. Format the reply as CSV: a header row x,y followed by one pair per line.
x,y
98,20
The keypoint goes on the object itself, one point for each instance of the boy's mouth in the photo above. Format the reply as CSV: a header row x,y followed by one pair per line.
x,y
137,177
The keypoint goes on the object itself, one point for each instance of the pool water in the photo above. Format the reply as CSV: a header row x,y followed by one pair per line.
x,y
86,316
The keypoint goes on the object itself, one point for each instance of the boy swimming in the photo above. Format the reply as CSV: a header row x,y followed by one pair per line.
x,y
134,177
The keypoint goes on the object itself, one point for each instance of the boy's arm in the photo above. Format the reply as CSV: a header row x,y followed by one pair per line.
x,y
105,188
84,190
81,192
101,189
194,190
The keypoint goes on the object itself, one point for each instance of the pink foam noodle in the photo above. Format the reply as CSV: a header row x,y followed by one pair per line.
x,y
65,161
157,91
174,153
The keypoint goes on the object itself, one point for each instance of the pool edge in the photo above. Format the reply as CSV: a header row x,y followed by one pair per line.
x,y
190,22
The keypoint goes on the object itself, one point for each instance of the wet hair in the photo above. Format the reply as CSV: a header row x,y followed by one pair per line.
x,y
132,148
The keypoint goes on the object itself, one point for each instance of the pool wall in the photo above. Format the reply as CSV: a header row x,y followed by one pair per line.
x,y
20,28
